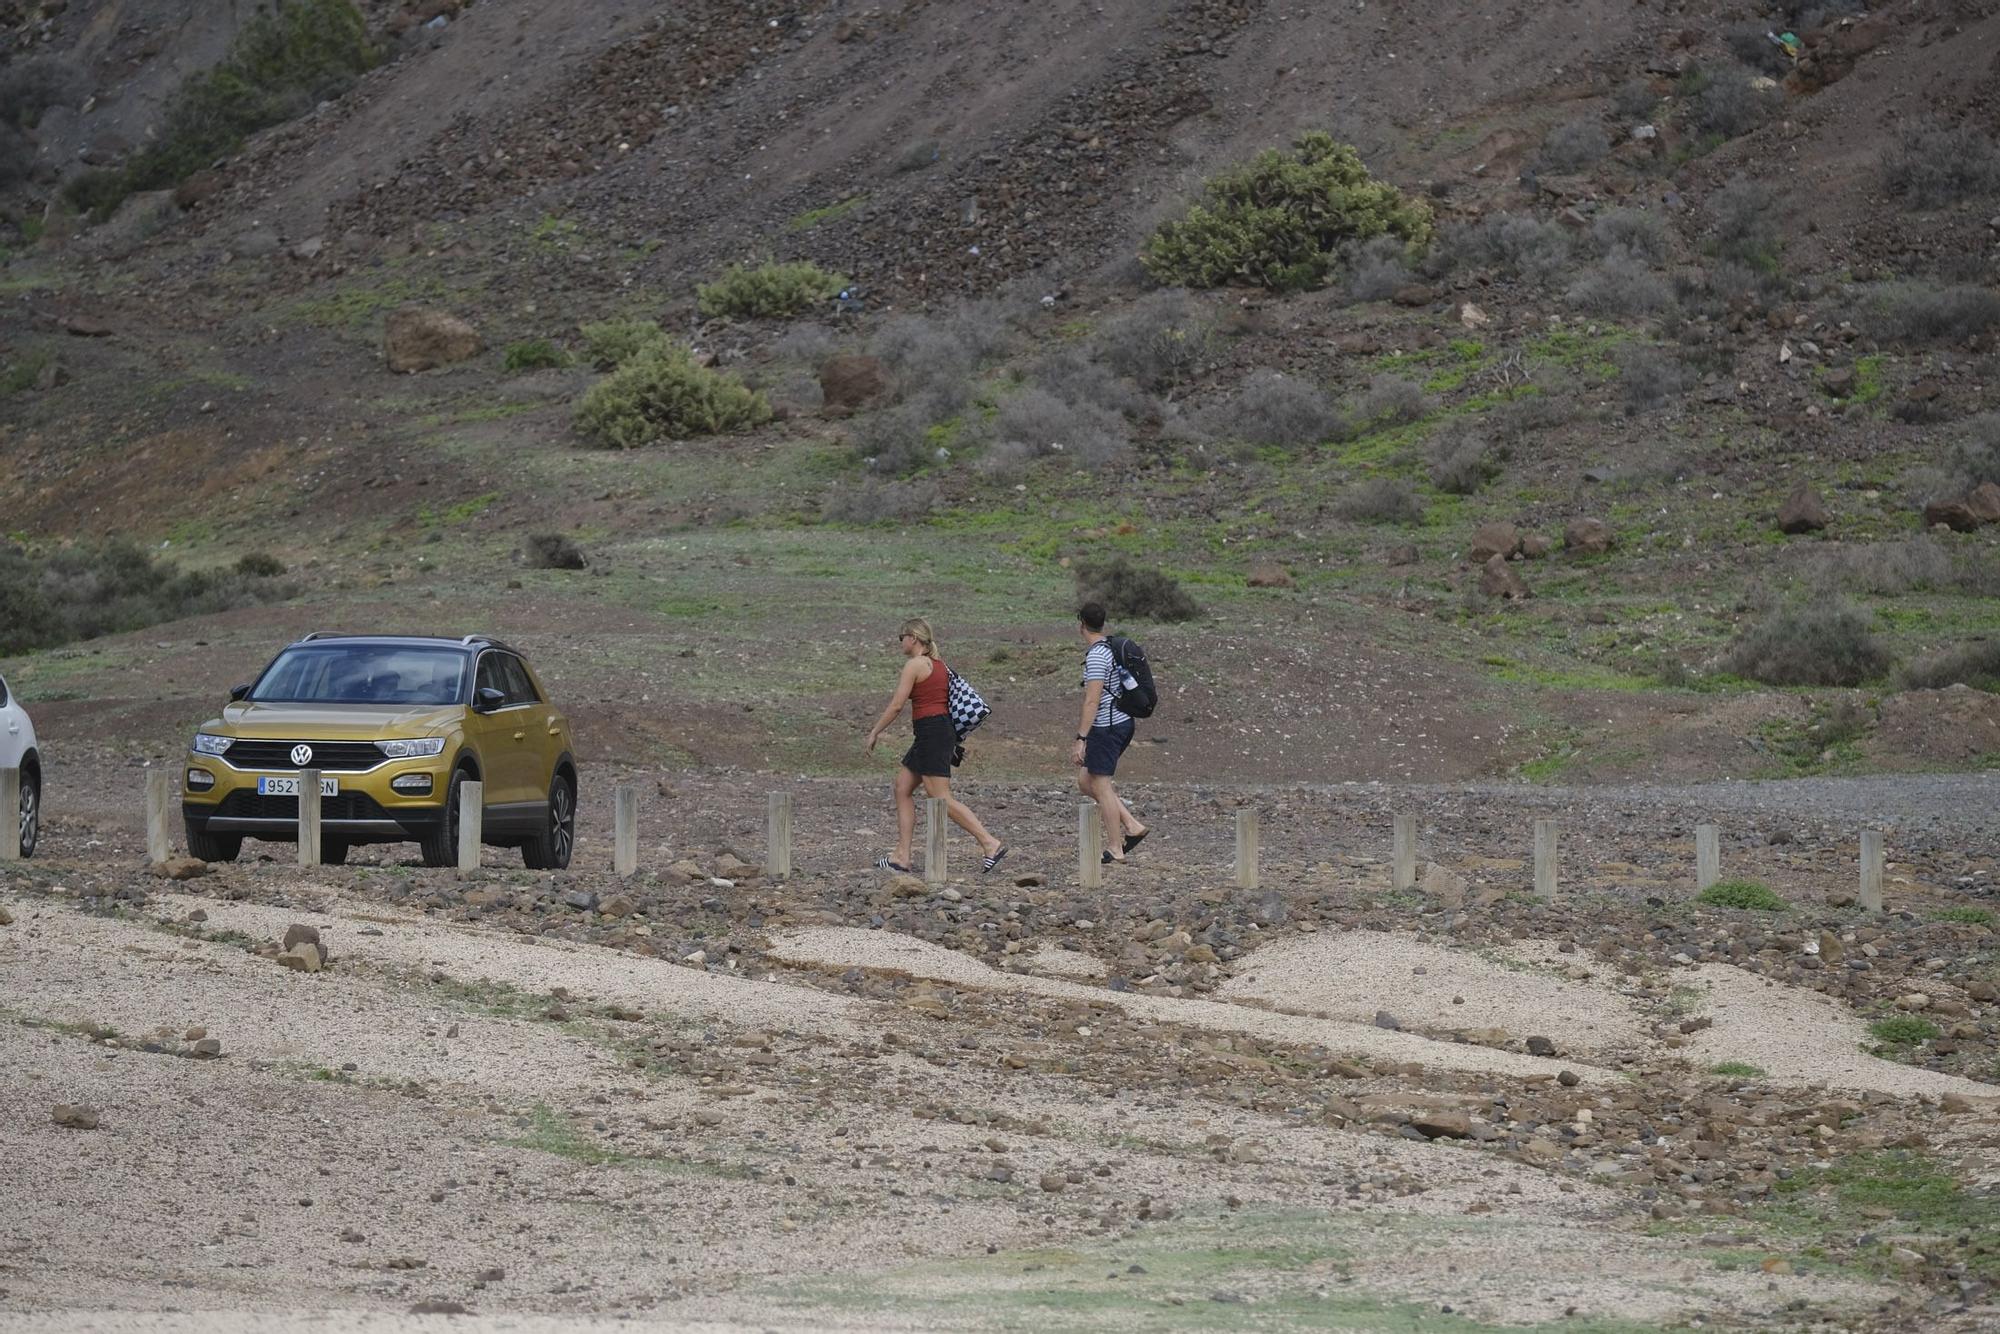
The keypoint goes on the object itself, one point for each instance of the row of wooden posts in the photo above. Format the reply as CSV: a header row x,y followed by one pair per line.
x,y
778,839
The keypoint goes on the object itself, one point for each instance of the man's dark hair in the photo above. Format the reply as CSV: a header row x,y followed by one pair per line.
x,y
1092,616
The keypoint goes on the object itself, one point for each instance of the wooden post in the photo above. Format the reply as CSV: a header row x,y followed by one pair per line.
x,y
1545,859
1707,856
1246,848
10,815
778,837
1871,870
159,793
935,824
471,823
309,815
1089,846
625,830
1404,874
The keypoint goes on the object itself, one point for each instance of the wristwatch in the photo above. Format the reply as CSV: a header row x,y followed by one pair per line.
x,y
1083,736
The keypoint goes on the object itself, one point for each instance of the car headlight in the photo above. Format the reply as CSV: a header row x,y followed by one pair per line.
x,y
413,749
204,744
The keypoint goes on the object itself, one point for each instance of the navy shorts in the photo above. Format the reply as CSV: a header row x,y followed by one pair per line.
x,y
1102,748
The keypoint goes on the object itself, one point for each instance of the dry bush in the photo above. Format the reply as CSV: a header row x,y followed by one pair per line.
x,y
1975,457
17,157
1378,270
1750,42
1890,569
1743,224
1131,591
1380,500
1730,106
1649,376
1552,404
928,358
1461,461
1275,409
1572,147
1818,644
1633,230
1916,312
1634,100
1975,664
877,501
554,551
1074,379
898,441
1161,341
30,87
1622,287
1934,165
1047,424
1512,245
1390,401
804,345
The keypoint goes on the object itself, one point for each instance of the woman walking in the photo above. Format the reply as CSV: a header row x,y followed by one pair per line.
x,y
923,684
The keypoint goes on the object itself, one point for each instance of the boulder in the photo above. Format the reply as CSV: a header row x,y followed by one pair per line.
x,y
419,339
1493,539
1534,546
1803,512
1587,537
1270,576
298,933
180,868
1406,554
1957,515
1498,580
849,383
1984,502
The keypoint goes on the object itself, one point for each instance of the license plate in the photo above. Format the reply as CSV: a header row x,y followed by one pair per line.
x,y
289,787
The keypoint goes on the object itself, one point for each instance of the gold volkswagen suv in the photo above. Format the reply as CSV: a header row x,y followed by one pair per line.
x,y
394,725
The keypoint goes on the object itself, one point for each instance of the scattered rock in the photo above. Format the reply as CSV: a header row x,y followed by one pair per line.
x,y
1587,537
1499,580
6,918
1442,1125
1493,539
1383,1019
848,383
419,339
1270,576
180,868
1540,1046
207,1048
1803,512
75,1116
304,957
1053,1182
299,932
1534,546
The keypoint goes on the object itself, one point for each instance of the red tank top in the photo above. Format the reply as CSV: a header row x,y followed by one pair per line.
x,y
927,700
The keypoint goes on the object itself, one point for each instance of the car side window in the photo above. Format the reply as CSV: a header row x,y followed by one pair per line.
x,y
3,692
520,686
492,674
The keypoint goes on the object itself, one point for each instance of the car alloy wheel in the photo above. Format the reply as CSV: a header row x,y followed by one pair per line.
x,y
31,813
562,822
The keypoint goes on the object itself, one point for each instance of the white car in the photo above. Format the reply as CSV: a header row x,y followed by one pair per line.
x,y
17,751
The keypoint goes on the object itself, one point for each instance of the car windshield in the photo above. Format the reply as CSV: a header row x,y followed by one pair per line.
x,y
364,674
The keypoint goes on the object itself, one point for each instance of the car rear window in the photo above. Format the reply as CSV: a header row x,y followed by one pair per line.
x,y
363,674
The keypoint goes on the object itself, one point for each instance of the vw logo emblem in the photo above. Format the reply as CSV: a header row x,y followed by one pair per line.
x,y
302,755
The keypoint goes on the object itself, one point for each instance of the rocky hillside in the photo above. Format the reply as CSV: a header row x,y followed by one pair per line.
x,y
1681,281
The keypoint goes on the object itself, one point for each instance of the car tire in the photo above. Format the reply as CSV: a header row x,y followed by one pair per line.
x,y
333,851
207,847
550,849
440,845
31,811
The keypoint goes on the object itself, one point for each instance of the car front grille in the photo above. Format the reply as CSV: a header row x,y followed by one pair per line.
x,y
327,756
246,805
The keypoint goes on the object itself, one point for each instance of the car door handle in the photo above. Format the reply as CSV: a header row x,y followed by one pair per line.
x,y
520,736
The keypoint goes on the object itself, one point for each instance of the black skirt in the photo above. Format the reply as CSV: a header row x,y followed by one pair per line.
x,y
929,756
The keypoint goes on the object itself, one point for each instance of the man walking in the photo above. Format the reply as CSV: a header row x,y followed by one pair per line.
x,y
1103,732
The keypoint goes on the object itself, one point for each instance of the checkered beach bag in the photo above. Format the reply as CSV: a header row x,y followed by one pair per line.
x,y
967,709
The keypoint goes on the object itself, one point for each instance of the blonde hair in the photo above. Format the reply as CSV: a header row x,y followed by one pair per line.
x,y
920,629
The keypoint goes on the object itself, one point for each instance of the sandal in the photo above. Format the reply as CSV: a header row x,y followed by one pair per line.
x,y
1108,860
988,863
884,864
1134,840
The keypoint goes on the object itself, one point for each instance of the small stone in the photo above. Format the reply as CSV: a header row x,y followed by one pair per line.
x,y
208,1047
1383,1019
1569,1079
350,1236
180,868
299,932
303,957
75,1116
1053,1182
1540,1046
6,918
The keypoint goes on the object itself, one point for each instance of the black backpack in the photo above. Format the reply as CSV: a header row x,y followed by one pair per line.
x,y
1143,697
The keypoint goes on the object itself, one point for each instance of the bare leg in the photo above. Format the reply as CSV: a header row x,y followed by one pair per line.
x,y
906,814
1110,812
961,815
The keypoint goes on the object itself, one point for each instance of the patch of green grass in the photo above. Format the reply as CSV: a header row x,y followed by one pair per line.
x,y
548,1131
1584,353
1868,384
1970,916
1887,1193
21,372
554,233
813,217
533,354
353,306
1903,1030
1740,1069
459,513
1749,894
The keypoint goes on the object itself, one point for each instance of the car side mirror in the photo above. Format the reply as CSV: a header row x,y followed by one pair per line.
x,y
486,699
238,692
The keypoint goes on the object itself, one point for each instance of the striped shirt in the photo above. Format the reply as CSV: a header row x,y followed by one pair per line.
x,y
1100,665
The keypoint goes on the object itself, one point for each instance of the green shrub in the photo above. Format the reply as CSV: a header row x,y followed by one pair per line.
x,y
1283,220
1749,894
1969,916
554,551
661,394
534,354
282,63
1819,644
768,291
1903,1030
1740,1069
1136,591
83,593
259,565
611,343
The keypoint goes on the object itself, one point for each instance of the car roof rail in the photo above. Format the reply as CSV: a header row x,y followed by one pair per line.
x,y
471,641
321,634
